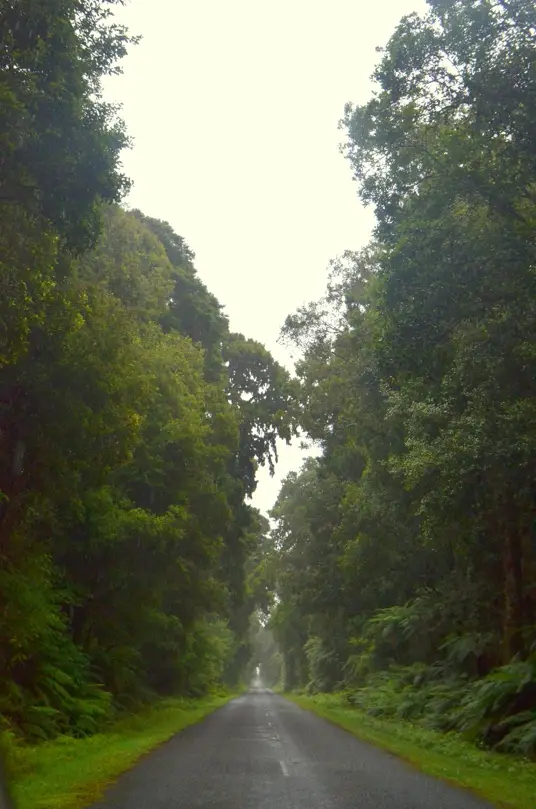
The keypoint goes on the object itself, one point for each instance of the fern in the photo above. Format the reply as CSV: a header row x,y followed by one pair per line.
x,y
522,739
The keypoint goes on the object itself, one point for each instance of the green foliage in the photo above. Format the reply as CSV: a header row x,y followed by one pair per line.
x,y
70,773
403,554
131,420
60,142
442,755
208,652
322,664
261,391
130,579
495,711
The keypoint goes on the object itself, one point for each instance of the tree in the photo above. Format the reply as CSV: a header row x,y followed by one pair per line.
x,y
146,547
260,389
60,142
416,382
60,148
450,170
127,448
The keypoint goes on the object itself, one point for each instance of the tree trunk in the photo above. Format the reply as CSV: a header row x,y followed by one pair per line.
x,y
513,591
12,450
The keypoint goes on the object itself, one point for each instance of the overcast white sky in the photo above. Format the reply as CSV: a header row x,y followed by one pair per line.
x,y
233,106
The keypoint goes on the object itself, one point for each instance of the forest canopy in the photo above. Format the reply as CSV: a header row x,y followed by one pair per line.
x,y
129,435
400,564
404,555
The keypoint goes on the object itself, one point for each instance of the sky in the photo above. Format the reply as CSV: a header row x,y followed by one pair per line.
x,y
233,107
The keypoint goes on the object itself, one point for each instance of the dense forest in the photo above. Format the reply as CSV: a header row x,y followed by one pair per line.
x,y
132,420
403,556
400,564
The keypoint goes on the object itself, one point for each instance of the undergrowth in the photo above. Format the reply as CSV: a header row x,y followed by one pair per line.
x,y
497,711
504,780
69,773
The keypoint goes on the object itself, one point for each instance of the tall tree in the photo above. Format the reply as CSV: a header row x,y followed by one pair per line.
x,y
417,384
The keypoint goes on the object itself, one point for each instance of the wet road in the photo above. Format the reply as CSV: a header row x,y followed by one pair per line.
x,y
262,752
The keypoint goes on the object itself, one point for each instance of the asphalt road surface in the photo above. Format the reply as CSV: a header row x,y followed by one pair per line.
x,y
262,752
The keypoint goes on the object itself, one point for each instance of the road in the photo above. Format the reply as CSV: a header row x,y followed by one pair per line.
x,y
262,752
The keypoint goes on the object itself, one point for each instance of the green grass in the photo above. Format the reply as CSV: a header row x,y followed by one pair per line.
x,y
71,773
504,780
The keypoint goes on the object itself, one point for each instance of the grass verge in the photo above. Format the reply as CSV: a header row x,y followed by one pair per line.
x,y
505,781
69,773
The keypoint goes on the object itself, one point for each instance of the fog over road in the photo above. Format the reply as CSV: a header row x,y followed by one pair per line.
x,y
262,752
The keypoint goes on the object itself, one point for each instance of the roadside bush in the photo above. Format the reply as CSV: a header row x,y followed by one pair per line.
x,y
497,711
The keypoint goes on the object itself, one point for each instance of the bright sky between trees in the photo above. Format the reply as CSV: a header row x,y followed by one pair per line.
x,y
233,108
